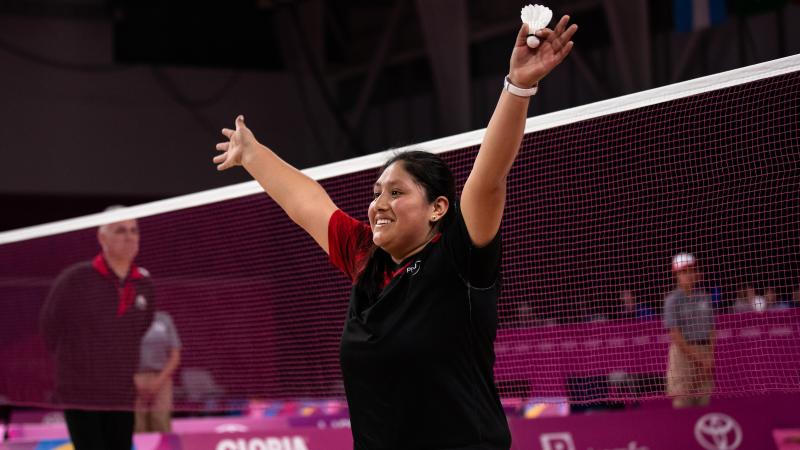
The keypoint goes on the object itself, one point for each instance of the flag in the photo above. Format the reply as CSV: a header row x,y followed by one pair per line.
x,y
693,15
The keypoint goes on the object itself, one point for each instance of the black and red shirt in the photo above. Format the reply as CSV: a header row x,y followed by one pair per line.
x,y
417,362
93,322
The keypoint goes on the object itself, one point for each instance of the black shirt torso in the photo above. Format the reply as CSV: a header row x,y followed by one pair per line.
x,y
96,349
418,362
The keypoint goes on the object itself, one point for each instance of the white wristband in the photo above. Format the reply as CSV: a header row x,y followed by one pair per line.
x,y
518,91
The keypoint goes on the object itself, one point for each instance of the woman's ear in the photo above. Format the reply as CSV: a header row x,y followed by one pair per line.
x,y
440,207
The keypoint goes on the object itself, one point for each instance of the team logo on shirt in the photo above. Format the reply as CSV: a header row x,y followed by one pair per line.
x,y
414,268
141,302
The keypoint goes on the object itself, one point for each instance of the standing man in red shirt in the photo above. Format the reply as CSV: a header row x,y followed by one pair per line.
x,y
93,322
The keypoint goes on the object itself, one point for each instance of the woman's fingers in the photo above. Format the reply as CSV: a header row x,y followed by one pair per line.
x,y
228,159
563,45
566,36
544,33
226,164
522,36
562,24
561,36
567,49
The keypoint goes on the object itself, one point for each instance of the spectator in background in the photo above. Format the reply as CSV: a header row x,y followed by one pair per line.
x,y
689,317
741,296
772,300
758,302
745,298
716,298
160,356
93,322
631,309
625,307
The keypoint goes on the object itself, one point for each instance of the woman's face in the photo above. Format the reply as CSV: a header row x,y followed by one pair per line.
x,y
400,214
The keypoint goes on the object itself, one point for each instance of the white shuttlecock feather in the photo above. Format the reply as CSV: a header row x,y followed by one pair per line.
x,y
537,17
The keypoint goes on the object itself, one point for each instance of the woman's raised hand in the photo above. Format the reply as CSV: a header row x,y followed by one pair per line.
x,y
240,142
529,65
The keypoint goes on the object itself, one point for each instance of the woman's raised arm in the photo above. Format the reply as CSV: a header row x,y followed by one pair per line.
x,y
303,199
484,194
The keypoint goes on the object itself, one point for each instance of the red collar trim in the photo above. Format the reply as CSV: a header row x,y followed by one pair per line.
x,y
100,265
400,270
389,276
405,266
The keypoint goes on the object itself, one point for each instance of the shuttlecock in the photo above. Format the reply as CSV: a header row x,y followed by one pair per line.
x,y
537,17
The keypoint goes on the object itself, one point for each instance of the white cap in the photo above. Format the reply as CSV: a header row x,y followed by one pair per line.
x,y
682,261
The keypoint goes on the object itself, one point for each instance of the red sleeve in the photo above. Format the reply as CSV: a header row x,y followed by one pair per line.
x,y
348,242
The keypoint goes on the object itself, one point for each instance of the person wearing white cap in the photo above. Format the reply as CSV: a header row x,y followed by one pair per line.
x,y
688,316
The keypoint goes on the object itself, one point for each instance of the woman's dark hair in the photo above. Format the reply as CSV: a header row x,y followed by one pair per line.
x,y
433,175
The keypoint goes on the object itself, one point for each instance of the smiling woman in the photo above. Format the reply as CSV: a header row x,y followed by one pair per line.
x,y
412,203
422,316
403,202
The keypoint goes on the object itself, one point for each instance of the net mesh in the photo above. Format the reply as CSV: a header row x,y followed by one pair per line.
x,y
595,211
